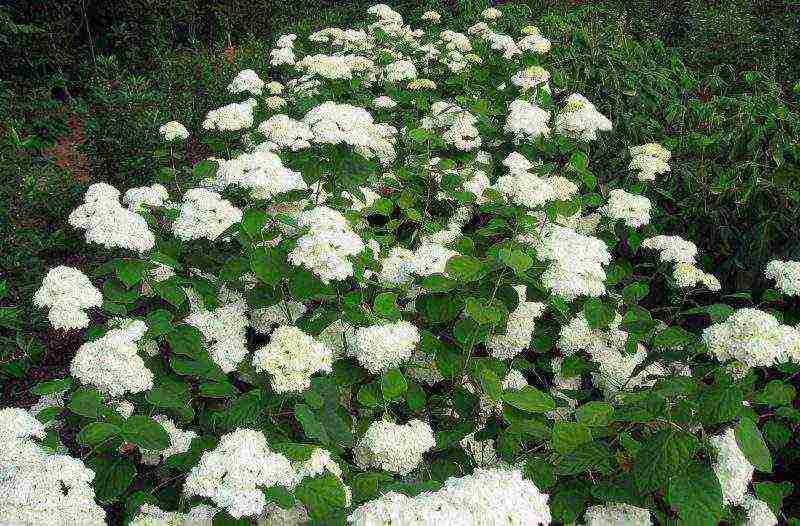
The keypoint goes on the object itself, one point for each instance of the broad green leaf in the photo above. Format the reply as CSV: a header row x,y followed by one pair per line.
x,y
393,384
323,497
86,402
465,268
696,495
52,387
598,314
752,445
97,433
568,436
267,265
145,433
662,456
312,425
595,413
529,399
112,477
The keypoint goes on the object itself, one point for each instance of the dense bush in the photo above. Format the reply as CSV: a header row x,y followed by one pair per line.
x,y
406,277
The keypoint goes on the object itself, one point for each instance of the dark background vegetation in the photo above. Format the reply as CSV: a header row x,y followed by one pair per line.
x,y
86,83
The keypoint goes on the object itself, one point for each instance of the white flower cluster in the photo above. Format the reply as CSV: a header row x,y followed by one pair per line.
x,y
110,224
381,347
232,474
384,103
632,209
393,447
617,515
786,275
112,363
232,117
281,131
149,515
455,125
335,67
262,319
179,442
753,337
246,81
758,512
262,172
138,199
534,42
531,78
399,71
519,329
575,262
733,469
649,160
283,53
333,123
525,121
580,119
173,130
67,293
683,253
432,17
204,214
324,249
530,190
488,496
290,358
224,330
36,487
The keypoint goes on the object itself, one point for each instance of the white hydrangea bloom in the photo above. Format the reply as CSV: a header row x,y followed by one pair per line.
x,y
123,408
516,162
112,364
519,329
110,224
324,249
432,17
274,515
232,474
282,56
333,123
649,160
786,275
753,337
455,125
233,117
383,102
67,293
481,452
398,267
179,442
275,103
383,346
335,67
246,81
431,258
733,469
633,209
290,358
400,70
224,330
758,512
532,77
687,275
274,87
672,248
137,198
617,515
535,43
204,214
488,496
421,84
150,515
284,312
173,130
580,119
491,13
525,121
281,131
393,447
262,172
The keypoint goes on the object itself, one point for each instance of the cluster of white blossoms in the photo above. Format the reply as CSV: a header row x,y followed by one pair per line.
x,y
575,262
384,103
173,130
232,117
394,447
37,487
179,442
233,474
290,358
332,123
683,253
325,248
281,131
531,78
733,469
497,41
283,53
758,512
632,209
617,514
380,347
533,41
224,331
150,515
432,17
110,224
530,190
786,275
67,293
488,496
579,119
519,329
455,125
754,338
112,363
247,81
204,214
138,199
525,121
649,160
335,67
262,172
399,71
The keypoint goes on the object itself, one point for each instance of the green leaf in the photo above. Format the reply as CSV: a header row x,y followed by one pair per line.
x,y
97,433
393,384
145,433
438,283
598,314
385,305
415,397
439,308
465,268
159,322
370,395
112,477
720,403
52,387
323,497
776,393
579,161
253,222
170,290
662,456
312,425
186,340
490,384
280,496
303,285
595,414
205,169
486,312
267,264
568,436
635,292
696,495
529,399
86,402
752,445
217,390
672,338
516,259
130,271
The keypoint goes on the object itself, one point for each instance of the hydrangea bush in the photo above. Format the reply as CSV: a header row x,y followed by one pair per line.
x,y
397,295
